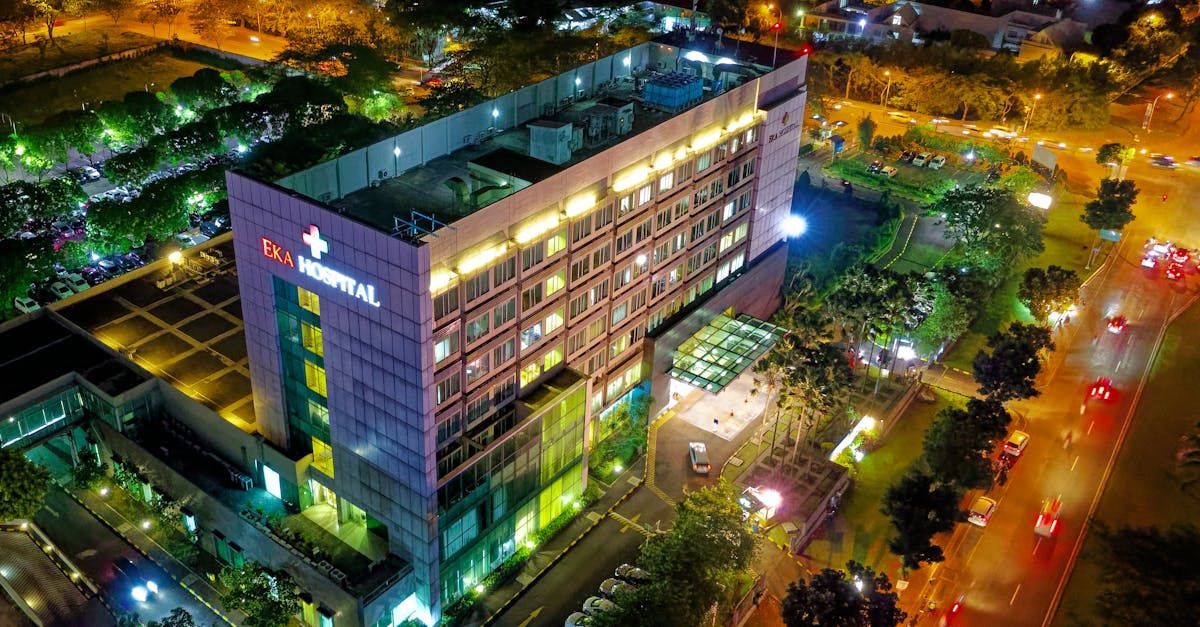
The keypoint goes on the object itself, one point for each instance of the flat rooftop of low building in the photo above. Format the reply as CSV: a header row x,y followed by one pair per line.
x,y
501,160
37,351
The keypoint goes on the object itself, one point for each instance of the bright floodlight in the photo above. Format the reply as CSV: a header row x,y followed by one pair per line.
x,y
175,256
495,112
905,353
862,22
396,151
641,259
795,225
241,149
139,594
770,498
1040,200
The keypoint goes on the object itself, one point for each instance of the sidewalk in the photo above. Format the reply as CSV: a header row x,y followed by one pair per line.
x,y
493,602
187,579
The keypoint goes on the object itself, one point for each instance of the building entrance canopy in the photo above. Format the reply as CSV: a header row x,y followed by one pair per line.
x,y
719,352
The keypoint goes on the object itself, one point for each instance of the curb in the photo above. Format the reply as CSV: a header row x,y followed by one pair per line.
x,y
554,560
907,240
146,555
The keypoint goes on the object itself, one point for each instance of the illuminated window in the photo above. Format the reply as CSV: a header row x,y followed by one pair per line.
x,y
322,457
553,358
726,241
271,482
318,413
554,321
308,301
445,347
530,373
314,378
556,243
311,335
666,181
556,282
530,336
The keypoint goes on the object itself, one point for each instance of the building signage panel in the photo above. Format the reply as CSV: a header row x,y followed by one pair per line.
x,y
316,270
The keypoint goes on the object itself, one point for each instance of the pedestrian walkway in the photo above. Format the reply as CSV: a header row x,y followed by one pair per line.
x,y
188,579
493,602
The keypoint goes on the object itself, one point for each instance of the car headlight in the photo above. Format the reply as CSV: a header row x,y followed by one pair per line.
x,y
139,594
152,587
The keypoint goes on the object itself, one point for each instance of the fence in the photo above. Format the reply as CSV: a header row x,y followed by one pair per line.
x,y
75,67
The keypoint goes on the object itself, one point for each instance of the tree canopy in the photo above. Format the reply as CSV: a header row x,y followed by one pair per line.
x,y
919,507
1113,207
855,597
23,485
957,444
268,598
1009,371
1049,290
991,224
1150,575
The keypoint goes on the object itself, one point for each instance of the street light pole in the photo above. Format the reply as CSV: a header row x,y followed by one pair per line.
x,y
1150,113
887,91
778,27
1032,109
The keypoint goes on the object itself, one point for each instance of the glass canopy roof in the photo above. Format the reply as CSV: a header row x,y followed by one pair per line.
x,y
722,350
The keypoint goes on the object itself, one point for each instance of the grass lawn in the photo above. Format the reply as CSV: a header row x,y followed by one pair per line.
x,y
859,530
833,219
1144,489
32,103
1066,239
25,60
919,184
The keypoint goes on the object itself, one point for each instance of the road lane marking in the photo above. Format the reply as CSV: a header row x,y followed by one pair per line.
x,y
532,615
1091,425
1118,368
1074,462
1035,548
1014,596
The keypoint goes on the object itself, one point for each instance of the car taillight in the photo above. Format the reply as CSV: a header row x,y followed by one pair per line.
x,y
1053,526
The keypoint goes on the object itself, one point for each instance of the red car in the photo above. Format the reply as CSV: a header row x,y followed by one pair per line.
x,y
1175,271
1101,389
1116,324
1180,255
1047,520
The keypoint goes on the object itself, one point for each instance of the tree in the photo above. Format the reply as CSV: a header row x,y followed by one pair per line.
x,y
855,597
79,129
210,19
88,472
203,90
957,444
149,113
1010,370
992,225
268,598
49,11
1150,576
178,617
23,485
58,197
1049,290
114,9
132,167
1113,207
155,11
920,508
1114,154
950,317
866,131
21,263
691,564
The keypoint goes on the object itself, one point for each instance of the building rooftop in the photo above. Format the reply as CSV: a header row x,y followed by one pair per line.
x,y
558,128
37,351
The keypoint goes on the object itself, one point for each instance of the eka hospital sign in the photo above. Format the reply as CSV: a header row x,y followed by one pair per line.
x,y
316,270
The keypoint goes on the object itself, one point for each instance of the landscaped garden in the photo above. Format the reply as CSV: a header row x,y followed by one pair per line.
x,y
42,54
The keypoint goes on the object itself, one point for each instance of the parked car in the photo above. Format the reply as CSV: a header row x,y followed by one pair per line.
x,y
596,605
981,512
135,259
907,156
25,304
629,572
698,455
937,162
577,619
611,587
59,290
1016,443
94,275
875,166
922,159
75,282
889,171
109,266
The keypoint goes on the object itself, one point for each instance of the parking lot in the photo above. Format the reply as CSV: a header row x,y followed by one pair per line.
x,y
190,333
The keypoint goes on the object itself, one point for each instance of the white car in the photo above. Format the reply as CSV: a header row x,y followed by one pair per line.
x,y
981,512
596,605
75,282
922,159
60,291
612,586
937,162
889,171
577,619
1016,443
25,305
629,572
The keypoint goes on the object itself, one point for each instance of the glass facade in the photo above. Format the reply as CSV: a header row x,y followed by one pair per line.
x,y
301,352
515,489
67,406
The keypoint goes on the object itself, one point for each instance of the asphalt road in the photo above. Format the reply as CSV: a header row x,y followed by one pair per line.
x,y
1005,573
93,546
